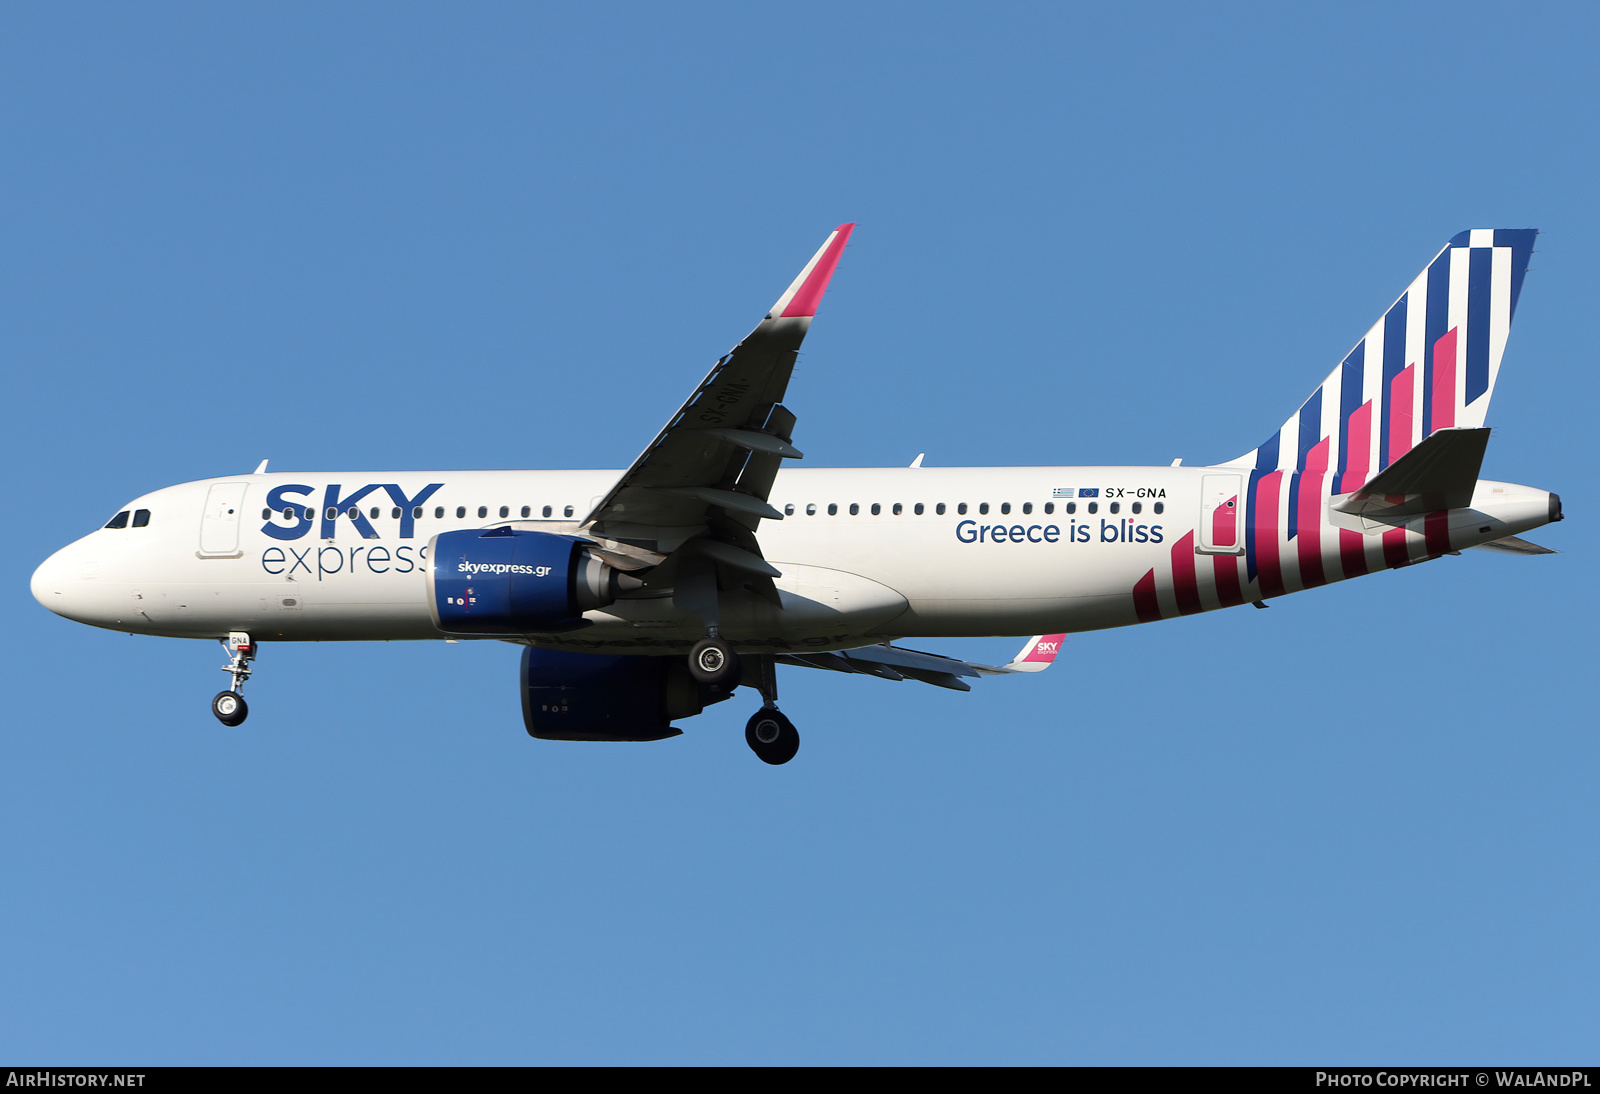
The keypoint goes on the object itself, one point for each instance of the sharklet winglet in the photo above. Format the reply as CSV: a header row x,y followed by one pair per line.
x,y
800,300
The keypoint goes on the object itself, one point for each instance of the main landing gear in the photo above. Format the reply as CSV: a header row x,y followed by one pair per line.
x,y
229,706
770,735
713,663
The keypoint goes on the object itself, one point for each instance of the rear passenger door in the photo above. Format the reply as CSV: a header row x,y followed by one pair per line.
x,y
1221,514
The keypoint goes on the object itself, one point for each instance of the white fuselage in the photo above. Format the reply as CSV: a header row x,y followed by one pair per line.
x,y
992,551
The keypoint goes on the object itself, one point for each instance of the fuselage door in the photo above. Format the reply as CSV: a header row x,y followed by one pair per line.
x,y
1221,514
219,524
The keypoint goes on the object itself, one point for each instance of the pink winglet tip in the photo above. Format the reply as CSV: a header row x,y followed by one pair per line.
x,y
806,300
1046,648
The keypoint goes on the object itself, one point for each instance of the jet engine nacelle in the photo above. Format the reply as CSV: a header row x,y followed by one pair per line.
x,y
600,697
502,581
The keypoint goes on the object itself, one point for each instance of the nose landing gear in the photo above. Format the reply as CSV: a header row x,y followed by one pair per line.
x,y
229,706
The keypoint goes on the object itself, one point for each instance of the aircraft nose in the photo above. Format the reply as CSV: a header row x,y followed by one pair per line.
x,y
50,582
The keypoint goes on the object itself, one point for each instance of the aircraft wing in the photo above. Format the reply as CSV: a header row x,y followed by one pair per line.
x,y
890,662
708,472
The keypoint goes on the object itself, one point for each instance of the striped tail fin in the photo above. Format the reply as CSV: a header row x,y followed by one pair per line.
x,y
1429,363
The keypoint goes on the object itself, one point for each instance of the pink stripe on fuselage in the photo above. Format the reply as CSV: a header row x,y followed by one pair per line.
x,y
1145,605
1308,516
1268,566
1227,570
1184,585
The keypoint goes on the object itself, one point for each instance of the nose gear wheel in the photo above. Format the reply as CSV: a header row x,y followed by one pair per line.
x,y
229,707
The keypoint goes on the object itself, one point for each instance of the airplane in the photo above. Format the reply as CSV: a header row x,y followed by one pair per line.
x,y
641,597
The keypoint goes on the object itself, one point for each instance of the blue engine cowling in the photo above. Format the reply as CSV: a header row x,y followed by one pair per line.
x,y
599,697
502,581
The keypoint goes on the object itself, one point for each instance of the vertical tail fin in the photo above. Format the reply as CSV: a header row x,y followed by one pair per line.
x,y
1429,363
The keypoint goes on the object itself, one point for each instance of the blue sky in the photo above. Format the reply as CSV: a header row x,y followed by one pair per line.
x,y
1357,828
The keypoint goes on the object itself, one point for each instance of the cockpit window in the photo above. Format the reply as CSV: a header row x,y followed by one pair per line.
x,y
118,521
141,517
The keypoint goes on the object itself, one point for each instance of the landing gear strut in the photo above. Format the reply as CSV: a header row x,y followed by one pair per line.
x,y
770,735
229,706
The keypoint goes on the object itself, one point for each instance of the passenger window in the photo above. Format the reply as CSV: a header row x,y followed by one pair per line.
x,y
1094,507
288,513
983,509
898,508
310,513
1159,507
353,512
547,510
416,512
1116,507
527,511
118,521
855,509
483,511
1072,507
141,517
962,508
1027,507
1005,507
917,509
939,509
266,514
877,509
394,514
505,511
788,509
461,511
330,513
833,509
376,511
1049,507
567,512
811,508
1137,507
438,512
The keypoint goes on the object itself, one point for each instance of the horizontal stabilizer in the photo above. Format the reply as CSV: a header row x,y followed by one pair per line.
x,y
1038,655
1439,473
889,662
1511,545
